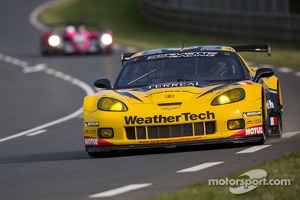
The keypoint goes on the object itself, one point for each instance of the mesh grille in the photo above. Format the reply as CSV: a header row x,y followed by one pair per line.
x,y
170,131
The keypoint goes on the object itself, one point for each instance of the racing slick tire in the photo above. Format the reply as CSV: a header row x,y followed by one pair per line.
x,y
43,49
277,130
264,120
94,154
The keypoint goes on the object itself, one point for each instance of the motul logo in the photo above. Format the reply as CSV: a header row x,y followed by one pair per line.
x,y
254,130
91,141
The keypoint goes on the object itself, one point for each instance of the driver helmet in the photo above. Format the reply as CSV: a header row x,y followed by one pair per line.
x,y
219,69
81,27
70,29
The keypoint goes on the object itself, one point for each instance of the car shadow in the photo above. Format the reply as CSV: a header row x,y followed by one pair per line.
x,y
180,149
82,155
44,157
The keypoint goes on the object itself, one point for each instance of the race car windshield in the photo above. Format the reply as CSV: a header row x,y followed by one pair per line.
x,y
208,67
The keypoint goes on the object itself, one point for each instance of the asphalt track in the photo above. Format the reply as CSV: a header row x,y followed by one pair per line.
x,y
41,146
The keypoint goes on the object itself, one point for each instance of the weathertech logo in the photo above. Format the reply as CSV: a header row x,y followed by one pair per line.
x,y
156,119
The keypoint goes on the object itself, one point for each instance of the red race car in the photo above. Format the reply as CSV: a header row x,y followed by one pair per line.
x,y
76,39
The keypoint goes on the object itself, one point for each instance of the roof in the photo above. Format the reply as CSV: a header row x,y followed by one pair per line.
x,y
185,49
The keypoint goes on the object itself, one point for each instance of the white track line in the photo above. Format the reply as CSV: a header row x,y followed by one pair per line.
x,y
289,134
36,132
71,116
33,18
285,70
253,149
199,167
120,190
43,68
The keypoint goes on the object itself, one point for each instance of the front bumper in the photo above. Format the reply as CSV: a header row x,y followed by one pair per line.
x,y
245,139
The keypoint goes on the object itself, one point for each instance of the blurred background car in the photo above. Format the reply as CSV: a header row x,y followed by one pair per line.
x,y
76,39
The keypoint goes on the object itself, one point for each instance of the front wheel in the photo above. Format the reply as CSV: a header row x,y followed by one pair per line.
x,y
43,49
265,134
277,130
94,154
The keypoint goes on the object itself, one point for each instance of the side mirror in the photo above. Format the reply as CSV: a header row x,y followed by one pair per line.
x,y
262,73
103,83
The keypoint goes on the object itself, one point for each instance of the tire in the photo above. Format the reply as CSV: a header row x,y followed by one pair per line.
x,y
43,49
264,120
94,155
277,130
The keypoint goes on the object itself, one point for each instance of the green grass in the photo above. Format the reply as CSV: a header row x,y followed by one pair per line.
x,y
286,167
131,29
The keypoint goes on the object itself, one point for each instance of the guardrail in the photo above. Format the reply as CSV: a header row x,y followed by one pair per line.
x,y
222,22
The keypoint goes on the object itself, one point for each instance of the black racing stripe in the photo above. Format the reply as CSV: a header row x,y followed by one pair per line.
x,y
214,89
129,95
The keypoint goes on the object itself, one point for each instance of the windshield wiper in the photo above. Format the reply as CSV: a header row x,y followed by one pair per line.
x,y
142,76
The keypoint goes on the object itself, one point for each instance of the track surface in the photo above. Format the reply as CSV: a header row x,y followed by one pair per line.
x,y
41,146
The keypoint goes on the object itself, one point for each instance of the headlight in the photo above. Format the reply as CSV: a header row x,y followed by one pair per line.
x,y
110,104
230,96
54,40
105,133
106,39
236,124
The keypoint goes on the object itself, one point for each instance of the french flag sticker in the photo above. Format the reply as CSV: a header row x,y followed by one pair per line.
x,y
273,121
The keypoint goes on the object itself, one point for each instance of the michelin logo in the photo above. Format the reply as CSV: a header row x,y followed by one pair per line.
x,y
86,124
254,113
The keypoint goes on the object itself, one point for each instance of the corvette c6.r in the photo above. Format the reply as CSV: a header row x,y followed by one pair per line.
x,y
183,96
76,39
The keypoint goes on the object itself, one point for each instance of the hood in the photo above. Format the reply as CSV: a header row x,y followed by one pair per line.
x,y
170,92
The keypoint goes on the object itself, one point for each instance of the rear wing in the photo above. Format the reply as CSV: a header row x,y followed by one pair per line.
x,y
125,57
254,48
60,25
243,48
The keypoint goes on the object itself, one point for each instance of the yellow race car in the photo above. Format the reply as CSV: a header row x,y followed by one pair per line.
x,y
183,96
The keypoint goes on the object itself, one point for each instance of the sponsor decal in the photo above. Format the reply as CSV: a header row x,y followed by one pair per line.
x,y
178,84
90,131
169,93
91,141
170,140
182,55
254,130
169,96
96,142
256,121
270,104
157,119
86,124
253,113
272,121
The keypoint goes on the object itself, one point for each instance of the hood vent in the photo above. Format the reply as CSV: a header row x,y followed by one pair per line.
x,y
170,104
